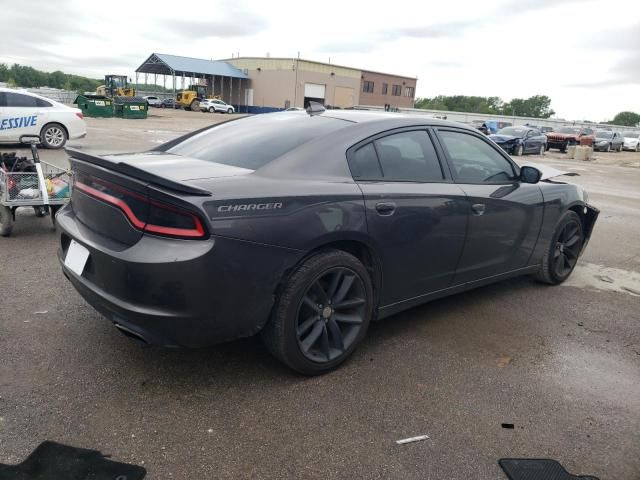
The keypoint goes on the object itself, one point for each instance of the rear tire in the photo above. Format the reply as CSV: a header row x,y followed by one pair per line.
x,y
6,221
542,149
53,136
322,313
40,211
620,148
52,211
561,255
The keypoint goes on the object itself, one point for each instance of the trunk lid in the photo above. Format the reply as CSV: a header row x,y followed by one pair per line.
x,y
112,193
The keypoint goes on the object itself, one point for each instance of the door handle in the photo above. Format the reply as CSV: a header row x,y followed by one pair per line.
x,y
386,208
478,208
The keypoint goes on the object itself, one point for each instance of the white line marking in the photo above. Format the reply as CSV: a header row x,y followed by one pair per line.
x,y
412,439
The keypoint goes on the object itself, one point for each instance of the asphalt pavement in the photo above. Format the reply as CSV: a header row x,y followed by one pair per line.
x,y
562,364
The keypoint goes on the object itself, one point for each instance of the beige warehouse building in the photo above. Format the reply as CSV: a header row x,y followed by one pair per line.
x,y
279,83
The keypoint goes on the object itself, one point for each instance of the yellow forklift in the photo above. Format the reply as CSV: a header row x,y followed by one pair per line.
x,y
190,98
116,86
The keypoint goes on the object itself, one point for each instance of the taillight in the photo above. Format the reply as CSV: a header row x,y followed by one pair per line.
x,y
79,115
145,214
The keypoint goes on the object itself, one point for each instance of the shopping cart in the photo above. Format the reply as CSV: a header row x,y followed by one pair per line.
x,y
30,183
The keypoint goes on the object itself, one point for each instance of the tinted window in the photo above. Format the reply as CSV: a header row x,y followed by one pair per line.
x,y
19,100
252,142
42,103
364,163
408,156
474,160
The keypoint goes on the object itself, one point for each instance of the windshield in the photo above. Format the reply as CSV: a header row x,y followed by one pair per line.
x,y
513,131
602,134
568,130
631,134
252,142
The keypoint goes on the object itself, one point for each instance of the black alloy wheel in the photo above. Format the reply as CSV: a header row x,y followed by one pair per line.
x,y
563,252
567,249
331,314
322,313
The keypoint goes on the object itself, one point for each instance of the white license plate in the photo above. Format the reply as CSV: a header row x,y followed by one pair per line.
x,y
76,258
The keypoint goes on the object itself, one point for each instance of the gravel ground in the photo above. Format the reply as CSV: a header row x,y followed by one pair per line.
x,y
560,363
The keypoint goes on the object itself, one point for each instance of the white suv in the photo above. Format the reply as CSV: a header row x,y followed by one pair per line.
x,y
24,113
212,105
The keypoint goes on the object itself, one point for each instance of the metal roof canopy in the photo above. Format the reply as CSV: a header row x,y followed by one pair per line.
x,y
163,64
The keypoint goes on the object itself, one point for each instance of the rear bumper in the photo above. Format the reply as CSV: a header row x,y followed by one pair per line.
x,y
173,292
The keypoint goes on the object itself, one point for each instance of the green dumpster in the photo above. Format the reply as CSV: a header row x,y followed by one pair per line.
x,y
130,107
94,105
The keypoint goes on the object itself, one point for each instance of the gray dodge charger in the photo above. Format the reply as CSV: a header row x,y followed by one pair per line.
x,y
305,227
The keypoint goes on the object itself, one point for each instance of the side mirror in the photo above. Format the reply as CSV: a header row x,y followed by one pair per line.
x,y
530,174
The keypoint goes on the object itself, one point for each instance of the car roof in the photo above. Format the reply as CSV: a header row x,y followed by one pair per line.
x,y
23,91
390,119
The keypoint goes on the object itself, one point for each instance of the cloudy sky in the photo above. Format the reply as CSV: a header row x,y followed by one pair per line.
x,y
584,54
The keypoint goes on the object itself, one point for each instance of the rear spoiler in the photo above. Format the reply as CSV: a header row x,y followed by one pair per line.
x,y
137,173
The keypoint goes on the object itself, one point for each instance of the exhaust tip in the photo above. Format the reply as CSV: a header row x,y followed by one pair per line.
x,y
130,333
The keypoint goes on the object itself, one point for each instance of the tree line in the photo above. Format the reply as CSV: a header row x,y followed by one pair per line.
x,y
538,106
28,77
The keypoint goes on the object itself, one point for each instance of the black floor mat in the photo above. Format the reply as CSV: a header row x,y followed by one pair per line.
x,y
54,461
537,469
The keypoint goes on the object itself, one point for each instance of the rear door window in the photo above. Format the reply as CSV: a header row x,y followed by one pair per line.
x,y
408,157
401,157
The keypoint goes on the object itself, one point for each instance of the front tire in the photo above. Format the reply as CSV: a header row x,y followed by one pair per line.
x,y
518,151
195,106
230,111
321,314
212,110
53,136
561,255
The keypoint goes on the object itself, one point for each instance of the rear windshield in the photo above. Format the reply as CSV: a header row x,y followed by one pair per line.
x,y
253,142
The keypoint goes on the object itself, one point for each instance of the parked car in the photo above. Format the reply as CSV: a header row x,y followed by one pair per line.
x,y
521,140
305,228
24,113
169,103
606,141
152,101
213,105
631,141
562,137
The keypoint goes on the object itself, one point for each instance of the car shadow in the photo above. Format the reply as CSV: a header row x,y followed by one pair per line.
x,y
247,361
